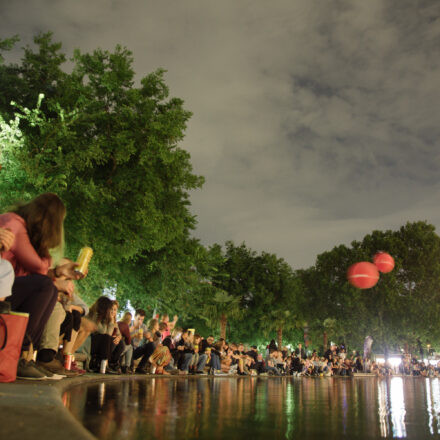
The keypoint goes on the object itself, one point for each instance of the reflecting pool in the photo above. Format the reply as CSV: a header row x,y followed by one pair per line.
x,y
270,408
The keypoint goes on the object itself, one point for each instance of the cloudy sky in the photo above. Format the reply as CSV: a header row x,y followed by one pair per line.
x,y
314,123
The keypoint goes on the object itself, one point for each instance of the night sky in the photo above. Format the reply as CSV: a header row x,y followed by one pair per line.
x,y
315,122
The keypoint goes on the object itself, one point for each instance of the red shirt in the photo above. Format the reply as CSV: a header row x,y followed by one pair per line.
x,y
22,255
125,331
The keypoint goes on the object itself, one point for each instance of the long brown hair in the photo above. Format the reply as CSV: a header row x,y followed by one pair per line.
x,y
44,217
100,310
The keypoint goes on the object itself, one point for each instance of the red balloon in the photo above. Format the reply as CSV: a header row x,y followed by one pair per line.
x,y
384,262
363,275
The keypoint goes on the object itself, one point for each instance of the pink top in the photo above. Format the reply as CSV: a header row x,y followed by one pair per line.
x,y
22,255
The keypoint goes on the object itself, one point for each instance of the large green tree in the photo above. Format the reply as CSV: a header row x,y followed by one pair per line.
x,y
400,309
110,148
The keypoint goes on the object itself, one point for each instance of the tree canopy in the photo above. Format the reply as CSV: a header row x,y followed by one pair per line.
x,y
109,145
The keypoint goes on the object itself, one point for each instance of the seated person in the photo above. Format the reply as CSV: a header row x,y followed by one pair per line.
x,y
127,354
160,359
198,360
185,348
259,365
7,276
148,350
38,228
103,339
168,326
61,322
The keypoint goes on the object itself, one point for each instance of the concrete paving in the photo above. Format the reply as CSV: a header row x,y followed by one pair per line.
x,y
34,409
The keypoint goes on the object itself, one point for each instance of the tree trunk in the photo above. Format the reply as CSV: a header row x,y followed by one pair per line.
x,y
223,323
280,337
325,341
306,335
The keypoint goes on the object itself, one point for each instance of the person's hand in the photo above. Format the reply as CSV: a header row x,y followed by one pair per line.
x,y
65,286
116,340
181,348
175,318
68,271
7,239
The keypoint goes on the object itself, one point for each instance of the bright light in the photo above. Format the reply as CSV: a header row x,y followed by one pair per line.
x,y
394,361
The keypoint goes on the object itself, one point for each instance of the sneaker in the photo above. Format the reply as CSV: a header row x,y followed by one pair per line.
x,y
110,370
74,367
183,372
201,373
49,375
26,371
55,366
140,371
219,373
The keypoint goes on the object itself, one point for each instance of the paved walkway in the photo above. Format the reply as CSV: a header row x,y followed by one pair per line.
x,y
33,410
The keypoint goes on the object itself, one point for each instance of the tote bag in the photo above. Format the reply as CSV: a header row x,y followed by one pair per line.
x,y
12,331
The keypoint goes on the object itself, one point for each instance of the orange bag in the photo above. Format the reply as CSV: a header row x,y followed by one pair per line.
x,y
12,331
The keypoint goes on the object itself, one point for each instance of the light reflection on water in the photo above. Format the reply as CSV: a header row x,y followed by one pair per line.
x,y
270,408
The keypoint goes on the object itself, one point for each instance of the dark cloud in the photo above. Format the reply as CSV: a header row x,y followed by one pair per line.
x,y
313,123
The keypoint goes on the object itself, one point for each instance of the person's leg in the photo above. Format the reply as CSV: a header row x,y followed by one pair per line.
x,y
68,344
34,294
202,362
67,326
6,278
186,361
215,362
85,329
126,358
146,351
101,346
117,351
50,339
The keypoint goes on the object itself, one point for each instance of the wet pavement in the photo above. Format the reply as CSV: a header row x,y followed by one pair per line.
x,y
269,408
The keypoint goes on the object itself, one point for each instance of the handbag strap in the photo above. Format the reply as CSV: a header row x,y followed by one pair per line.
x,y
6,333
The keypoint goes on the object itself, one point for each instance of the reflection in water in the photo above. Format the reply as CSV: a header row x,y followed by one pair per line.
x,y
274,408
382,398
397,407
433,405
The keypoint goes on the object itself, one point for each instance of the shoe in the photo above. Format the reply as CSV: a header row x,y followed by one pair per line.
x,y
263,374
219,373
49,375
183,373
124,370
55,366
74,367
140,371
27,371
110,370
201,373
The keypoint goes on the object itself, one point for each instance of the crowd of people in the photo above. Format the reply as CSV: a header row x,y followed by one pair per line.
x,y
62,328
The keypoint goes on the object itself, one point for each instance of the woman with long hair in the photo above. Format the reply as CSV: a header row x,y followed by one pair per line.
x,y
107,337
38,229
127,354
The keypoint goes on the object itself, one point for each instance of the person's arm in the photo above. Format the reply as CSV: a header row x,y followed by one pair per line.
x,y
7,238
26,255
80,305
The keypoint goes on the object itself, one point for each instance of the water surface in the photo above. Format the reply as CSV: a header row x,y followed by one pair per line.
x,y
269,408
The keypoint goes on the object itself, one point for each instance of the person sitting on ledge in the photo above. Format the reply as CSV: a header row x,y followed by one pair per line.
x,y
7,276
38,229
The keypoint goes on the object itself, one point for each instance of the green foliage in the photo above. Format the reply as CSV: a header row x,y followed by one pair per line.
x,y
110,150
402,307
